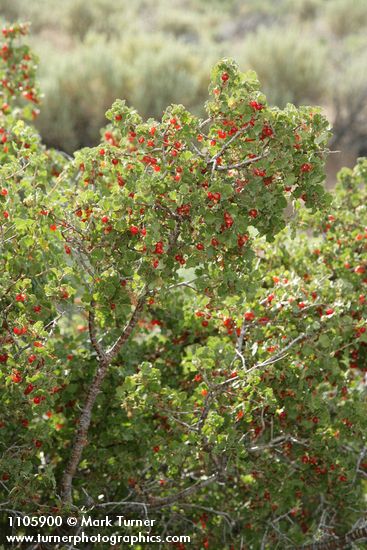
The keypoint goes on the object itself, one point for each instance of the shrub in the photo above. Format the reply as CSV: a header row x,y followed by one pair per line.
x,y
79,90
291,64
346,17
165,344
349,100
104,17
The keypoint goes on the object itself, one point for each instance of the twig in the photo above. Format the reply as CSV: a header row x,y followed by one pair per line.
x,y
93,333
239,164
277,357
337,543
80,440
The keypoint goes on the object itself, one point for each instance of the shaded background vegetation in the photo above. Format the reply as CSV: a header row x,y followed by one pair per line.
x,y
155,52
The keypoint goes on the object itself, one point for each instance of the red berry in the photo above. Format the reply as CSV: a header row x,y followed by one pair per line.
x,y
228,220
16,377
306,167
134,230
159,248
266,131
258,172
28,389
256,106
242,240
249,316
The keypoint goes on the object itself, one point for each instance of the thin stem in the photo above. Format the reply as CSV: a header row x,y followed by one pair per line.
x,y
105,360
